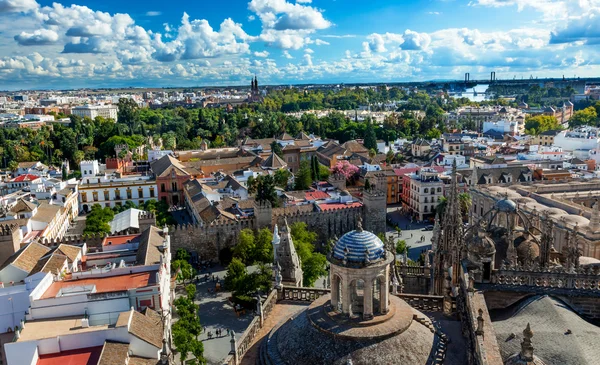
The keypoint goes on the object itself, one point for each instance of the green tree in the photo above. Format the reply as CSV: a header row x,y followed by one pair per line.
x,y
187,328
276,147
244,250
282,177
264,189
541,123
313,263
370,140
184,270
303,179
587,116
97,221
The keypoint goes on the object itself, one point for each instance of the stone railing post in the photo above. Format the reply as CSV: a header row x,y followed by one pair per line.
x,y
479,330
259,310
234,348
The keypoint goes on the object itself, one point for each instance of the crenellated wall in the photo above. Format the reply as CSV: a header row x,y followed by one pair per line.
x,y
209,240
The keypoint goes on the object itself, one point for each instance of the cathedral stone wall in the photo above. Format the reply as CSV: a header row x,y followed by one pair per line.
x,y
209,240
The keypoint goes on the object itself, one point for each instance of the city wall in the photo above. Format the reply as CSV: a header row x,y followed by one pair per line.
x,y
210,240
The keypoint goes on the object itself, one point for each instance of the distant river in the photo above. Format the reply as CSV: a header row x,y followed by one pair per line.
x,y
476,93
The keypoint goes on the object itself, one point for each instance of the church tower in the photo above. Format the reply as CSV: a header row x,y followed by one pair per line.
x,y
449,247
286,262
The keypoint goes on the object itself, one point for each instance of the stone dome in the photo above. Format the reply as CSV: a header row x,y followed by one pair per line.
x,y
356,245
506,205
517,360
312,337
481,245
528,248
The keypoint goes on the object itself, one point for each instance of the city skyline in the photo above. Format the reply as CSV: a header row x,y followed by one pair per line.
x,y
45,45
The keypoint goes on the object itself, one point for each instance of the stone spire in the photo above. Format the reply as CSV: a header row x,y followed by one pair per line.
x,y
448,252
286,257
546,241
526,346
595,219
436,233
474,177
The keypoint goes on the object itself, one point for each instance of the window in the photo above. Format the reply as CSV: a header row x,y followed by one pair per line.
x,y
117,194
95,196
174,186
84,197
129,194
426,190
439,190
162,188
140,193
152,192
106,195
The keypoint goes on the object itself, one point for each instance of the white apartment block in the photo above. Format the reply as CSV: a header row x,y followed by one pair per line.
x,y
93,111
426,191
111,192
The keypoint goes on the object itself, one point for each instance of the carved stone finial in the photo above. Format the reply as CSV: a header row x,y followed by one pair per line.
x,y
526,345
359,224
479,331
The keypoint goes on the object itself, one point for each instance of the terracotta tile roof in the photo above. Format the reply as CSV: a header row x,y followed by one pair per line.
x,y
23,206
105,284
148,252
85,356
274,162
355,147
114,353
316,195
70,251
27,164
285,137
51,263
164,165
332,206
27,257
23,178
46,212
120,240
134,360
147,328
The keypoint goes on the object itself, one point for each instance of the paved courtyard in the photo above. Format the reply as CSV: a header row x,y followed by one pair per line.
x,y
215,313
412,233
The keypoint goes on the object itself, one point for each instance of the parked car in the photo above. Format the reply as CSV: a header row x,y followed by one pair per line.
x,y
429,228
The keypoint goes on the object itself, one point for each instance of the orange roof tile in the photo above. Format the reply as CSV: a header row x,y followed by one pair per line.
x,y
85,356
105,284
331,206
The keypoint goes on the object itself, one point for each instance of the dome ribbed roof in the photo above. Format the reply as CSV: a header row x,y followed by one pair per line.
x,y
354,245
506,205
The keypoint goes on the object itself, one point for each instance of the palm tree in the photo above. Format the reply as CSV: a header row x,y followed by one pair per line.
x,y
441,207
465,201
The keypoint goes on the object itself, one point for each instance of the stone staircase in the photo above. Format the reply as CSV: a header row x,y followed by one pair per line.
x,y
442,339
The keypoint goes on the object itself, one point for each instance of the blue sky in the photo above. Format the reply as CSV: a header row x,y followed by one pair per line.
x,y
109,43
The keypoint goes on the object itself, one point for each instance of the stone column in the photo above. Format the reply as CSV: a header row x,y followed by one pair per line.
x,y
368,299
335,284
384,295
346,297
233,350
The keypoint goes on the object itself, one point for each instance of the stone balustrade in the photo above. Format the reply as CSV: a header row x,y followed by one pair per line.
x,y
246,340
585,280
429,303
302,294
408,270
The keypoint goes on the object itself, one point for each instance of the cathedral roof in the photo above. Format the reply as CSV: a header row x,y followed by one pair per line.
x,y
550,319
356,245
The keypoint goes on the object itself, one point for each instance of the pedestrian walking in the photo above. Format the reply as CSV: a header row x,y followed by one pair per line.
x,y
411,235
227,329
